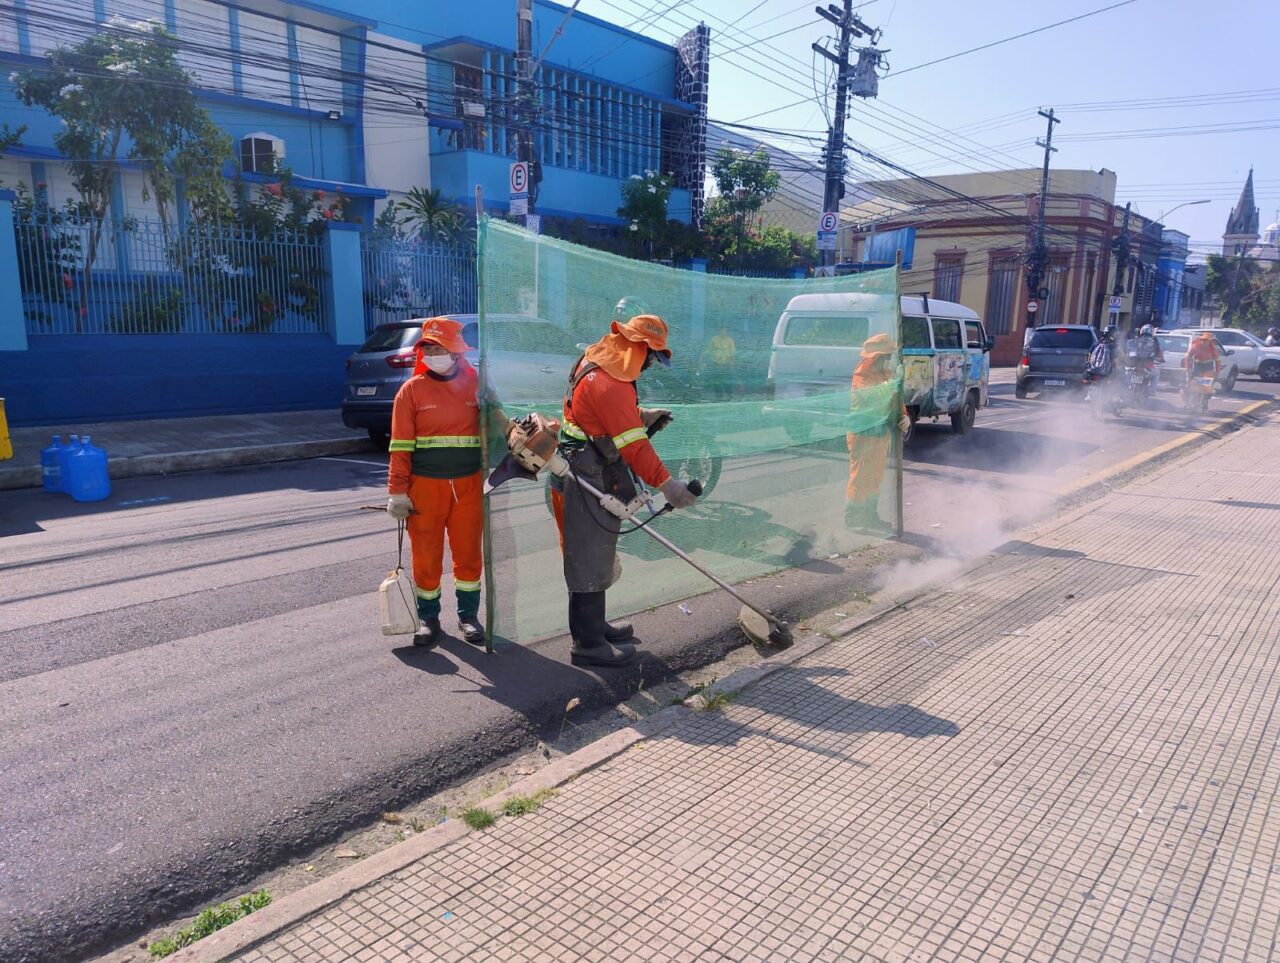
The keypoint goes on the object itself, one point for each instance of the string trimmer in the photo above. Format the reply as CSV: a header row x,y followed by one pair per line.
x,y
533,441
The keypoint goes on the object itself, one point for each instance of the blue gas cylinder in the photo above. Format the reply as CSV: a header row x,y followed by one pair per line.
x,y
50,474
89,481
64,462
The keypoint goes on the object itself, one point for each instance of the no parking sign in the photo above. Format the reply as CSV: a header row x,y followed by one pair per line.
x,y
827,224
519,188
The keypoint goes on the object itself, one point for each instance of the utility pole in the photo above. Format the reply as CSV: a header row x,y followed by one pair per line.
x,y
1038,258
1120,248
527,98
862,81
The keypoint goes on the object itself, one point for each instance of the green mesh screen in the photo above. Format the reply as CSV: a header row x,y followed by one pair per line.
x,y
760,385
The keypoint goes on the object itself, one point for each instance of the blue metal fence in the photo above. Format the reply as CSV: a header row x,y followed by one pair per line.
x,y
151,279
412,279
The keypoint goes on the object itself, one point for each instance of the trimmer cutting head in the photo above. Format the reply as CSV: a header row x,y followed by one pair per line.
x,y
763,630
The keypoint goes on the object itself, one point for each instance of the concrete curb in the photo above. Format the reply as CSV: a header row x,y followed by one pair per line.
x,y
135,466
314,899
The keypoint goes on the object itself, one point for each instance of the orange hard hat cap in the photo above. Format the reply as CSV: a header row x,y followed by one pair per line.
x,y
445,332
647,329
877,344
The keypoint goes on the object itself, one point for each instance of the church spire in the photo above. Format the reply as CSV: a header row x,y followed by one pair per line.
x,y
1244,217
1242,226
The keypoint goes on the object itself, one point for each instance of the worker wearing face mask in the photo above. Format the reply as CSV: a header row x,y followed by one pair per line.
x,y
434,479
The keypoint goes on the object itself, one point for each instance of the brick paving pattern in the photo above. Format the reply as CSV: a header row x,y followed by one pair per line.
x,y
1069,756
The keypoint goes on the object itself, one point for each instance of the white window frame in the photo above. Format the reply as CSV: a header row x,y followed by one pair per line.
x,y
277,148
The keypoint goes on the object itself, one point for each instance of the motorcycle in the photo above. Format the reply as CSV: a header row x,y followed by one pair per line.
x,y
1140,384
1104,395
1198,391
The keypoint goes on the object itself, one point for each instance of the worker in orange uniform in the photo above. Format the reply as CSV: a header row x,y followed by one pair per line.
x,y
605,436
434,479
872,420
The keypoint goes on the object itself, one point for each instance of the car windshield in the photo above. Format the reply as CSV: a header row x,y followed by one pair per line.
x,y
1177,344
391,338
1078,338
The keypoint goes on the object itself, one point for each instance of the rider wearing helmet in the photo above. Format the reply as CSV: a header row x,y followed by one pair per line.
x,y
1146,354
1273,338
1102,360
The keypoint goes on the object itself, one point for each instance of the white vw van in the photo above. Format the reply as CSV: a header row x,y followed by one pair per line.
x,y
946,360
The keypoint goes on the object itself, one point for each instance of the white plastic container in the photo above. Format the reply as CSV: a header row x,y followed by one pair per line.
x,y
399,604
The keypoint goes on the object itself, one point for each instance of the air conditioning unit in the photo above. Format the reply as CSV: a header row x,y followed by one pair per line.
x,y
471,109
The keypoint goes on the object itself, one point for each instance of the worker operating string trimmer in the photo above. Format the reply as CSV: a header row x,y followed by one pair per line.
x,y
605,436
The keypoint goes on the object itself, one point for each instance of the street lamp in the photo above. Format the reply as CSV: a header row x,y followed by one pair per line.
x,y
1183,204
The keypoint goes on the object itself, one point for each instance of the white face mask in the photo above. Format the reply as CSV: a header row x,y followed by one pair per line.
x,y
439,363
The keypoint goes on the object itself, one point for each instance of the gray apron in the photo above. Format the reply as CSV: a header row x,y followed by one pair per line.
x,y
590,533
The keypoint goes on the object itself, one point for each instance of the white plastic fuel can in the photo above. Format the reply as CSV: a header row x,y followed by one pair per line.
x,y
396,598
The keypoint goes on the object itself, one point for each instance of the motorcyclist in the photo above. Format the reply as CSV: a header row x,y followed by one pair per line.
x,y
1105,369
1202,359
1273,338
1146,355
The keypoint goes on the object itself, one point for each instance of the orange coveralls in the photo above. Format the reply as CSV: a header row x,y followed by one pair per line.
x,y
436,460
869,451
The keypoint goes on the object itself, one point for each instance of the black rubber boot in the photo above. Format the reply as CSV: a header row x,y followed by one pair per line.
x,y
586,626
472,630
429,636
617,631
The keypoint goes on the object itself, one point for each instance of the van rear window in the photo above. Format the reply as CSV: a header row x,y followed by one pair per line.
x,y
826,330
1077,338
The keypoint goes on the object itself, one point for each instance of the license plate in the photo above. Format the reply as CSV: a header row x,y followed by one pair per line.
x,y
1054,383
366,391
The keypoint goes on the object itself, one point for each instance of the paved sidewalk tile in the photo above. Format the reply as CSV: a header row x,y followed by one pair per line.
x,y
1070,756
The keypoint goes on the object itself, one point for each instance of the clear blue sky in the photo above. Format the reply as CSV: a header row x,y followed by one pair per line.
x,y
1147,50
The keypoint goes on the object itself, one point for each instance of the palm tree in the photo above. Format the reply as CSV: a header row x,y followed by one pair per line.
x,y
428,212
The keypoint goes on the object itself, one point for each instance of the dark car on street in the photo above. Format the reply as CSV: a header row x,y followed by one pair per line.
x,y
1055,358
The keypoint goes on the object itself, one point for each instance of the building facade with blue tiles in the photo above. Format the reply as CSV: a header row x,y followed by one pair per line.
x,y
376,97
364,99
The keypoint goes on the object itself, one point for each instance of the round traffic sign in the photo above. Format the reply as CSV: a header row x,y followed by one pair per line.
x,y
1032,307
828,221
519,177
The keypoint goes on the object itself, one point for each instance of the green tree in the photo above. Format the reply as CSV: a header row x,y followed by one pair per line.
x,y
644,208
1247,289
428,213
9,139
121,94
744,182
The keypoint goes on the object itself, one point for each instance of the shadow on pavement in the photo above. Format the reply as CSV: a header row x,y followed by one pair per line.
x,y
798,695
999,450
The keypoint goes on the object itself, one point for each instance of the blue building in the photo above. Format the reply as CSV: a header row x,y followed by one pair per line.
x,y
1167,303
373,98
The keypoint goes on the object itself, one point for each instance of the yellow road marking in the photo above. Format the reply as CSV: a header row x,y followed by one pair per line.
x,y
1152,453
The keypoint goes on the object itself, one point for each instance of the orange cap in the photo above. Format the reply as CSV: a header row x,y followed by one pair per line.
x,y
445,332
1206,335
648,329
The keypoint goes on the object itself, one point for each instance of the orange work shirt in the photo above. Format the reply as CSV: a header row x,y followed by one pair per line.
x,y
435,428
604,406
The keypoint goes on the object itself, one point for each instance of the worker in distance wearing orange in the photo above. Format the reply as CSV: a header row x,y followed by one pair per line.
x,y
874,411
604,437
434,479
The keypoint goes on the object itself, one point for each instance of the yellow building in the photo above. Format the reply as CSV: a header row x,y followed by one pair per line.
x,y
965,238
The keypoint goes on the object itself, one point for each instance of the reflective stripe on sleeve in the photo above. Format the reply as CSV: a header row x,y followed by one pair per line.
x,y
570,430
448,441
629,437
401,445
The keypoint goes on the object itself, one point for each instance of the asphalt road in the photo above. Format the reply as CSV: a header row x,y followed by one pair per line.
x,y
193,688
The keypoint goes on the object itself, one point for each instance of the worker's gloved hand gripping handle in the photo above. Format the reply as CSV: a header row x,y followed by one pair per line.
x,y
655,419
680,495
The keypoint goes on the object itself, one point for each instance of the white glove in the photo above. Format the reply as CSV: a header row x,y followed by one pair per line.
x,y
904,424
399,507
655,419
677,493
